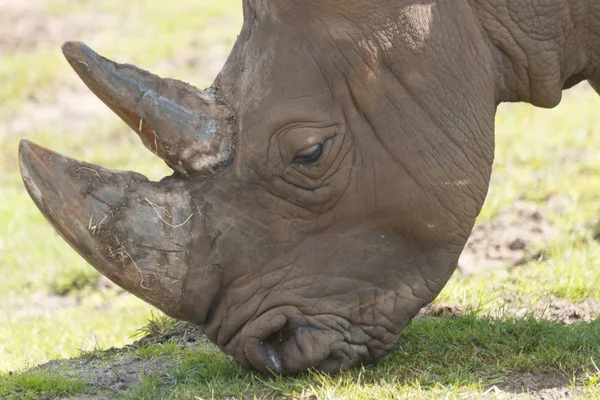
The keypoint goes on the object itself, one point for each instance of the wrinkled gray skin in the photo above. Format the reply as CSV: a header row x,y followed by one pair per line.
x,y
288,264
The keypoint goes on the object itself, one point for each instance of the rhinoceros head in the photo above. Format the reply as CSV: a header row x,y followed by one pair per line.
x,y
324,185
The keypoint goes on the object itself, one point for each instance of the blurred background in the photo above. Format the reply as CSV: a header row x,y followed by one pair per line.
x,y
536,244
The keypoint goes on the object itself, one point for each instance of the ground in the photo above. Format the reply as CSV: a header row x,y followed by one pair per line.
x,y
519,319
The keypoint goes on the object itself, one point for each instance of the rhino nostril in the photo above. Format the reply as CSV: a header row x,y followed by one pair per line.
x,y
272,346
273,360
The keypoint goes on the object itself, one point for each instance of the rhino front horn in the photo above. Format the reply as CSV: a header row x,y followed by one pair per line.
x,y
135,232
191,130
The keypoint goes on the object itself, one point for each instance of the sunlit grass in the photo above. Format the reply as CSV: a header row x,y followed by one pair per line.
x,y
448,356
539,154
31,334
35,385
153,32
23,75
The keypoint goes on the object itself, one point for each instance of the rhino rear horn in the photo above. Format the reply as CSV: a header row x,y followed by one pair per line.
x,y
191,130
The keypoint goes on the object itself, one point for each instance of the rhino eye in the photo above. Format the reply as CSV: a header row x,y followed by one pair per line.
x,y
310,155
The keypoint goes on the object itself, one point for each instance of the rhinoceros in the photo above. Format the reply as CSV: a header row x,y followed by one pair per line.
x,y
326,183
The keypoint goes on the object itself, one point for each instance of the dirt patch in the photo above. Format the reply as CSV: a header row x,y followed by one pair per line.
x,y
71,110
550,386
39,304
25,27
113,371
441,310
30,30
548,309
514,237
107,377
553,309
524,382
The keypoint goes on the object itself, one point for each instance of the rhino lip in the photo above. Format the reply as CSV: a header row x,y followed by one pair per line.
x,y
284,341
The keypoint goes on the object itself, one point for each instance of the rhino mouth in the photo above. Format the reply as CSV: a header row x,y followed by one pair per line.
x,y
286,341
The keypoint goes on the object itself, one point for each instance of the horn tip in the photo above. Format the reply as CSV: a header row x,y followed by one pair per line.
x,y
31,164
71,47
78,54
28,148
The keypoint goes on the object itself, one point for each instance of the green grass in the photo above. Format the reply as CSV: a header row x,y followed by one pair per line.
x,y
446,355
32,333
543,153
540,154
50,306
37,384
22,75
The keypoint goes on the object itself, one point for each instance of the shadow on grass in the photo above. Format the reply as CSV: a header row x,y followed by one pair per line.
x,y
435,355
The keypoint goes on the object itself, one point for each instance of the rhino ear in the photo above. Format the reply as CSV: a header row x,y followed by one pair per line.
x,y
192,130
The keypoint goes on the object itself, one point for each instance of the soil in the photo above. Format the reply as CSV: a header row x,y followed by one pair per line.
x,y
514,237
110,376
39,304
553,309
24,26
541,386
113,371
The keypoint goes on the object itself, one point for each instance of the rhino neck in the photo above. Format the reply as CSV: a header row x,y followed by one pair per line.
x,y
539,48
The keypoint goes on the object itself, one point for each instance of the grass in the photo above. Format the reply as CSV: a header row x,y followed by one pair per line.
x,y
36,384
450,356
34,332
52,307
19,82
